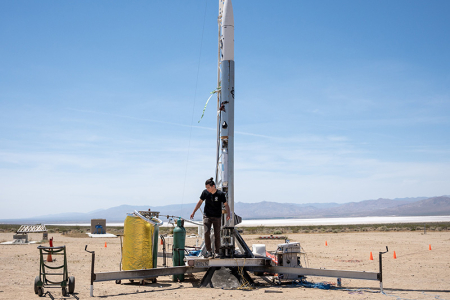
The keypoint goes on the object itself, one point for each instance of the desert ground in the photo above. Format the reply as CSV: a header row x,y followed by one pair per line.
x,y
416,273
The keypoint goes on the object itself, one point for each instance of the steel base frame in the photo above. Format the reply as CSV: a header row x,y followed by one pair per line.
x,y
255,265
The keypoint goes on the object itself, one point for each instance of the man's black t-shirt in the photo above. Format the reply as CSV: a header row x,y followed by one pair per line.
x,y
213,203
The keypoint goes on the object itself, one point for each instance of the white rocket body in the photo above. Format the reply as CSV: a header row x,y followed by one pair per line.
x,y
226,106
227,31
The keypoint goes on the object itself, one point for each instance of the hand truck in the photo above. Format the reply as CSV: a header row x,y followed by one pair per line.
x,y
46,270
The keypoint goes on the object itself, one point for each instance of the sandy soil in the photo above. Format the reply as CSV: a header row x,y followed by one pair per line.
x,y
417,273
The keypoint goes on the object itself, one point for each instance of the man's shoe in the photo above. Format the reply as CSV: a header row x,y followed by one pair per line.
x,y
216,255
207,254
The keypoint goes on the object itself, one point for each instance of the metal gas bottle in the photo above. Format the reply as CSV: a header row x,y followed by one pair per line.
x,y
179,241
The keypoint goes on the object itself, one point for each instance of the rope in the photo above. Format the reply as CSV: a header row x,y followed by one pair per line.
x,y
245,285
193,110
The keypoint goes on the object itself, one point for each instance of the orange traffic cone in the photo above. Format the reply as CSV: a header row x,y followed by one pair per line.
x,y
105,244
429,247
371,256
395,255
326,244
49,256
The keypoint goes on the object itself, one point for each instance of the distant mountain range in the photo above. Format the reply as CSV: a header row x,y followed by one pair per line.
x,y
419,206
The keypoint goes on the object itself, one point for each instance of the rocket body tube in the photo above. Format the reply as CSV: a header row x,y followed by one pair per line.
x,y
227,129
226,105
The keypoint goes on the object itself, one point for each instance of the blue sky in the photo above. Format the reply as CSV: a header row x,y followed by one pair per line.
x,y
336,101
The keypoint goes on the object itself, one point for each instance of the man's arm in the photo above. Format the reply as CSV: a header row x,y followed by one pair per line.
x,y
196,208
228,210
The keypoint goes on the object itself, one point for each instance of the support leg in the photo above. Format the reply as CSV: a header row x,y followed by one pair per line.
x,y
207,278
92,270
380,277
241,242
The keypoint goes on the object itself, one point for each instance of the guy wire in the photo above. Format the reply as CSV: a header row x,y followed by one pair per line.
x,y
193,109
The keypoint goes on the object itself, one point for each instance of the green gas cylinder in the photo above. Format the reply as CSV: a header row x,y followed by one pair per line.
x,y
179,241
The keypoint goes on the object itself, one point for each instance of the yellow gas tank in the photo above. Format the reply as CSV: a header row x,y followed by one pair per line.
x,y
138,244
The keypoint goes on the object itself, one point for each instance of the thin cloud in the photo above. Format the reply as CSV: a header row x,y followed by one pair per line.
x,y
138,119
164,122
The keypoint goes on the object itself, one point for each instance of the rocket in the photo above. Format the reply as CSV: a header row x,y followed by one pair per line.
x,y
226,105
228,32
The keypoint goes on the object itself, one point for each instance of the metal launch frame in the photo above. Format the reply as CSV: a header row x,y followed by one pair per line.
x,y
255,265
241,259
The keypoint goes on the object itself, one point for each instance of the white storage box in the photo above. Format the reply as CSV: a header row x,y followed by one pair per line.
x,y
259,249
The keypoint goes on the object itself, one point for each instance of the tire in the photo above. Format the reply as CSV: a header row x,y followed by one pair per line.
x,y
71,284
64,292
118,281
40,291
36,280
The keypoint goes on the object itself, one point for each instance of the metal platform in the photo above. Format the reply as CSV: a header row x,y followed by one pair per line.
x,y
258,266
249,264
195,265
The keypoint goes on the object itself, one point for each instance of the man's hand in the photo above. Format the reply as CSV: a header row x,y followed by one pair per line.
x,y
196,207
228,211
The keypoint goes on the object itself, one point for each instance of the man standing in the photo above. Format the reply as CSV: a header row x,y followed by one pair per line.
x,y
213,211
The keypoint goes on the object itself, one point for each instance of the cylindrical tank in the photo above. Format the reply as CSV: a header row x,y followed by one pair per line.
x,y
179,241
138,244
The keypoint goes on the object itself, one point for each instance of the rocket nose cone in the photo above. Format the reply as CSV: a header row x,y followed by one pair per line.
x,y
228,18
227,31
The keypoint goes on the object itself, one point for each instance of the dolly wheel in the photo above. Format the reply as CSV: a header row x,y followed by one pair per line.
x,y
142,282
64,292
153,280
71,284
36,280
118,281
40,291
